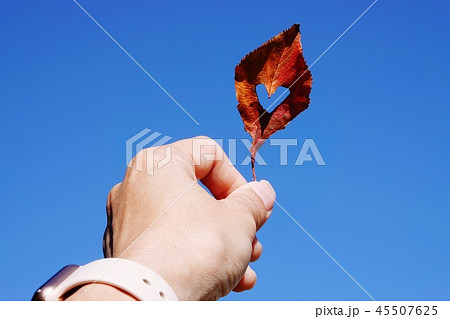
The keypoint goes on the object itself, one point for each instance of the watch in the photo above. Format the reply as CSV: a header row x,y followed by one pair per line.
x,y
132,277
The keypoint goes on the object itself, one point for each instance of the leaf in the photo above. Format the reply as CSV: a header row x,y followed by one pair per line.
x,y
278,62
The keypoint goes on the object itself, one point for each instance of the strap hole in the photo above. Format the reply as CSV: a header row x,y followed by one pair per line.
x,y
146,281
163,296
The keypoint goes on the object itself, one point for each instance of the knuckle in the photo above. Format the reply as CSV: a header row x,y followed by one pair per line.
x,y
114,191
189,143
150,159
205,138
138,158
209,142
142,152
157,153
206,144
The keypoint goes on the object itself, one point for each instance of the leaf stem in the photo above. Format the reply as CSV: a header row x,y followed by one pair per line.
x,y
253,167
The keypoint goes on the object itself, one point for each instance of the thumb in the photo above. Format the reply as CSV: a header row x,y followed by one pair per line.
x,y
255,198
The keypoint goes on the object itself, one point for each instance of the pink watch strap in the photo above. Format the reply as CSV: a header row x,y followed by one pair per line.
x,y
132,277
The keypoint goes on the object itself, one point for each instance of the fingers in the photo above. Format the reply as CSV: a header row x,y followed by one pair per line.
x,y
212,166
255,199
204,160
247,281
266,192
256,250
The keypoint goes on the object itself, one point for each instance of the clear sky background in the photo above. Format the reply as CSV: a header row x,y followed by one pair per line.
x,y
379,114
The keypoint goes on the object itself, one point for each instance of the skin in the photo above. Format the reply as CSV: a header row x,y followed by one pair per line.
x,y
201,244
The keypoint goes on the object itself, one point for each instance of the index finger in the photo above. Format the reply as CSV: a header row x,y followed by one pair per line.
x,y
212,166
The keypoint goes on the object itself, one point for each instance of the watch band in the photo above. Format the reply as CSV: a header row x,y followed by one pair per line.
x,y
132,277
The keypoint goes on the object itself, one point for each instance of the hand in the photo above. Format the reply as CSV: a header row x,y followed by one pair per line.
x,y
200,244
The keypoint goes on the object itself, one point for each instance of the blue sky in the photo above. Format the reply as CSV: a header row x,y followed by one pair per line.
x,y
379,115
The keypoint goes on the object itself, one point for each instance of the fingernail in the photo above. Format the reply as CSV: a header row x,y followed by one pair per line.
x,y
265,192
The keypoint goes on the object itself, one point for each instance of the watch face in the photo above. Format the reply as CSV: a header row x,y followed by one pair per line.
x,y
43,291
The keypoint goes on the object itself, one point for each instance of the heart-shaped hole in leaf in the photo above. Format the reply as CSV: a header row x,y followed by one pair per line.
x,y
278,62
268,102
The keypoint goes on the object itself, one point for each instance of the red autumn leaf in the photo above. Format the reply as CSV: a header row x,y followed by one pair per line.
x,y
278,62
